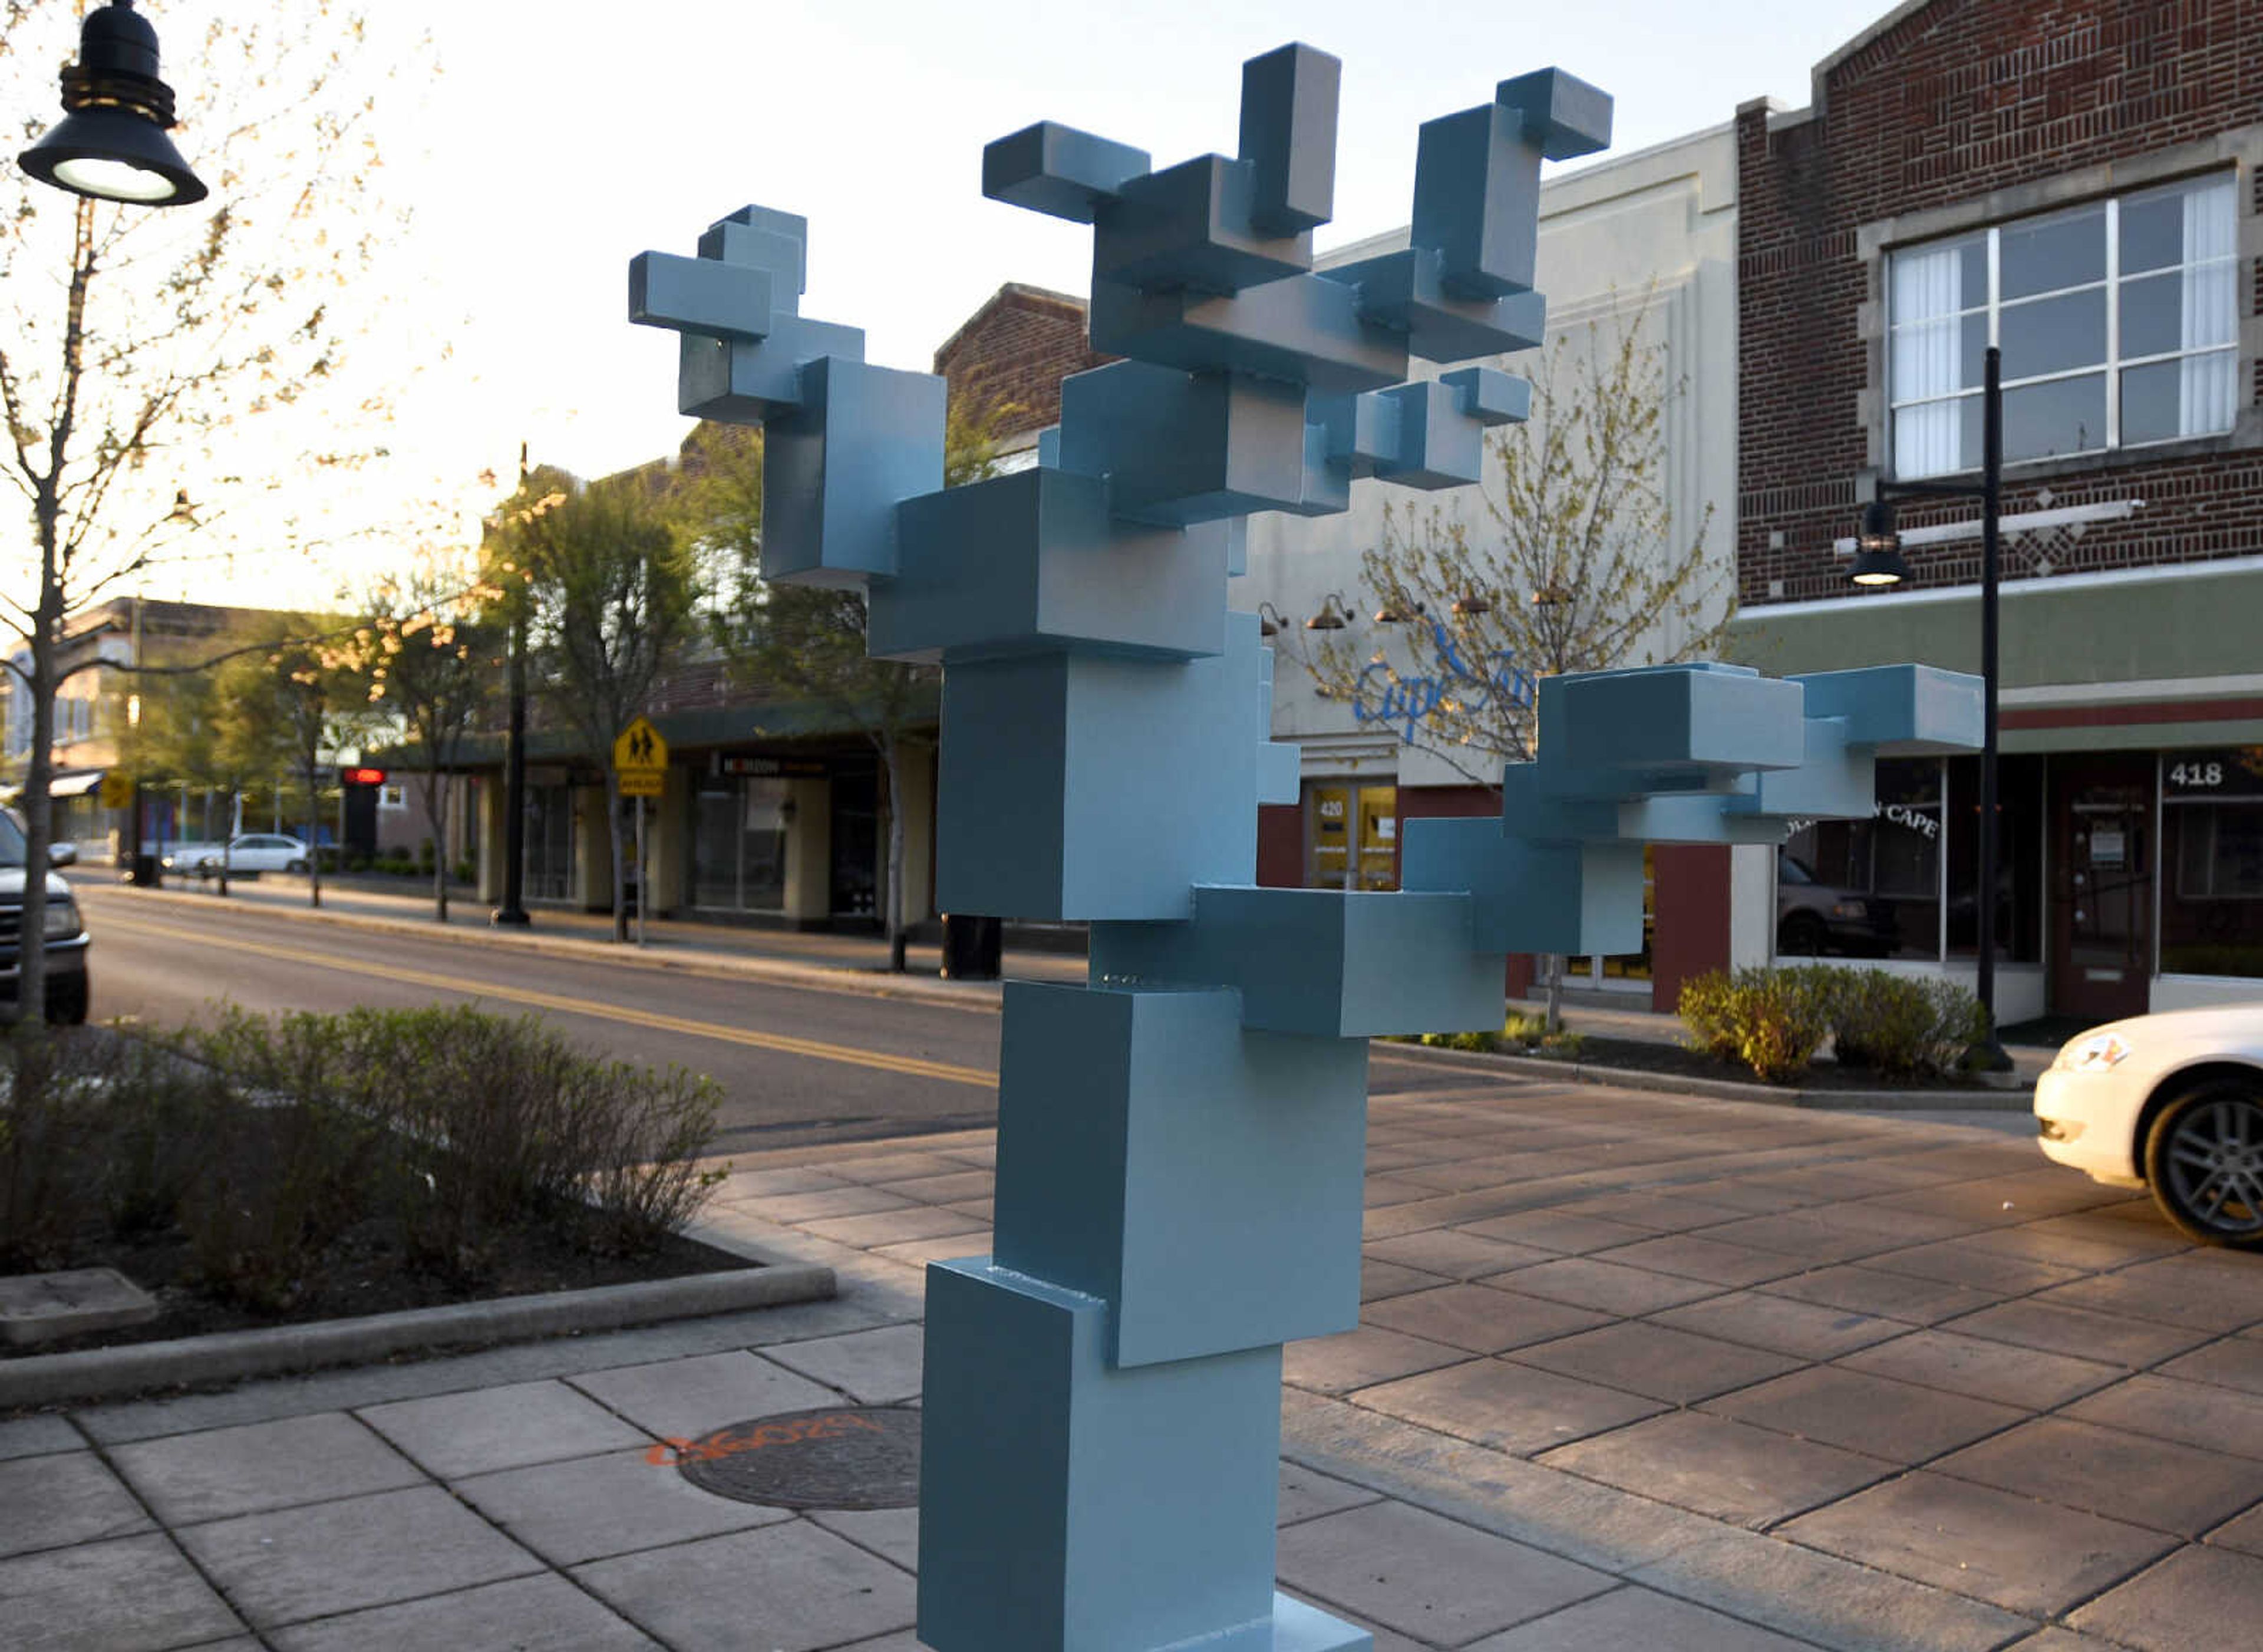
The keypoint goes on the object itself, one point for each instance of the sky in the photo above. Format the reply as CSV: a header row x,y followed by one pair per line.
x,y
556,142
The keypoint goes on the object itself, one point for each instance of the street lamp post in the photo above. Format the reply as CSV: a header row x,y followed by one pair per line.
x,y
512,912
1878,563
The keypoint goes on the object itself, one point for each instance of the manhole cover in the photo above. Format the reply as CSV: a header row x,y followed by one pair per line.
x,y
836,1457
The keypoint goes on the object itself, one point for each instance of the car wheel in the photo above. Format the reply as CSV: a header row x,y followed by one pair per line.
x,y
294,866
66,1001
1800,936
2204,1164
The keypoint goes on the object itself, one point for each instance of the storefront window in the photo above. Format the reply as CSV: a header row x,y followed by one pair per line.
x,y
549,870
1327,822
1351,837
737,849
2019,858
1868,888
2212,833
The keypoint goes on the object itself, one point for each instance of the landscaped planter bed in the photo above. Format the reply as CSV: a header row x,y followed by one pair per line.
x,y
255,1175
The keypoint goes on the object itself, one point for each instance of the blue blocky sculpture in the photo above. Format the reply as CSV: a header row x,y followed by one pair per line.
x,y
1180,1147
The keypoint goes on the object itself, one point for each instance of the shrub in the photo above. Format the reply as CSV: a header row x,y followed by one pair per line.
x,y
1771,1020
1707,1008
646,1182
1897,1026
1477,1043
42,1148
1566,1045
491,1121
1520,1028
157,1134
283,1181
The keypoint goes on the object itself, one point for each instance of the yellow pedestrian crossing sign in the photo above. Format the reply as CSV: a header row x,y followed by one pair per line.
x,y
641,758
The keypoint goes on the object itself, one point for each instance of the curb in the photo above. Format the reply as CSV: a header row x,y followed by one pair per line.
x,y
104,1373
977,995
1960,1100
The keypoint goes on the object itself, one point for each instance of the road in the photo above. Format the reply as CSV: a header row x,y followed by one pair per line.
x,y
796,1064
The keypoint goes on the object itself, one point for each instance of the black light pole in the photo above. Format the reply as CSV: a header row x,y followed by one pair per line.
x,y
512,912
1878,563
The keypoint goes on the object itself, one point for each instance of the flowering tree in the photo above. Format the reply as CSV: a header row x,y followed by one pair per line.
x,y
1575,562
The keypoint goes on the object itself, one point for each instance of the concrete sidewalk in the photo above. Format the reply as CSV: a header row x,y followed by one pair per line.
x,y
1634,1371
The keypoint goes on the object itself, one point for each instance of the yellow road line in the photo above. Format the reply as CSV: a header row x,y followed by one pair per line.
x,y
849,1054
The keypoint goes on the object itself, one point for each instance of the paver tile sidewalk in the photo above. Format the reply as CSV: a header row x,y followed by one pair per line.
x,y
1639,1400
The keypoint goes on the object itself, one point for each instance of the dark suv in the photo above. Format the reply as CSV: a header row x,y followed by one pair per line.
x,y
68,986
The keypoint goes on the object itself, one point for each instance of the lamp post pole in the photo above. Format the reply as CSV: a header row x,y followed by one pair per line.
x,y
1992,492
512,912
1878,562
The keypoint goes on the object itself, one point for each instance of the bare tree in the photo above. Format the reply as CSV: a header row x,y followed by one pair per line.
x,y
807,642
430,656
604,575
281,706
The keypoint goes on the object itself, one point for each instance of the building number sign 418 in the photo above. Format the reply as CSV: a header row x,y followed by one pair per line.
x,y
2227,772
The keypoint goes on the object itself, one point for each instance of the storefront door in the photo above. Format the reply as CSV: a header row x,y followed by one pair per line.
x,y
2101,885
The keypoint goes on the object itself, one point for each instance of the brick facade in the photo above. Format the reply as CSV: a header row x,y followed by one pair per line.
x,y
1943,104
1013,353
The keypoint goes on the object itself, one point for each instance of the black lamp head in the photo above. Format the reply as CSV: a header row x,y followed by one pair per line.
x,y
1878,548
111,143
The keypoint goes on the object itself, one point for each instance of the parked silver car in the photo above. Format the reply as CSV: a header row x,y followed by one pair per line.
x,y
252,853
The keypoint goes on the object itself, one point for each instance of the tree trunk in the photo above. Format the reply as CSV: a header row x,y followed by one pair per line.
x,y
228,835
892,908
1555,1014
621,857
38,777
436,816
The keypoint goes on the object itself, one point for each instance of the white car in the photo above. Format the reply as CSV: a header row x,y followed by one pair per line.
x,y
2172,1103
254,852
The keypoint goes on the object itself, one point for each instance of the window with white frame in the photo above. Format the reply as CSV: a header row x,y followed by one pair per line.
x,y
2117,321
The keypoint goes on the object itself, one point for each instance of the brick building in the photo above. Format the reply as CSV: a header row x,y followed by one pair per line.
x,y
1011,356
2077,184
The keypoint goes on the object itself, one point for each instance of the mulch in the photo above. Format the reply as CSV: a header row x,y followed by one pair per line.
x,y
364,1272
1646,1056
